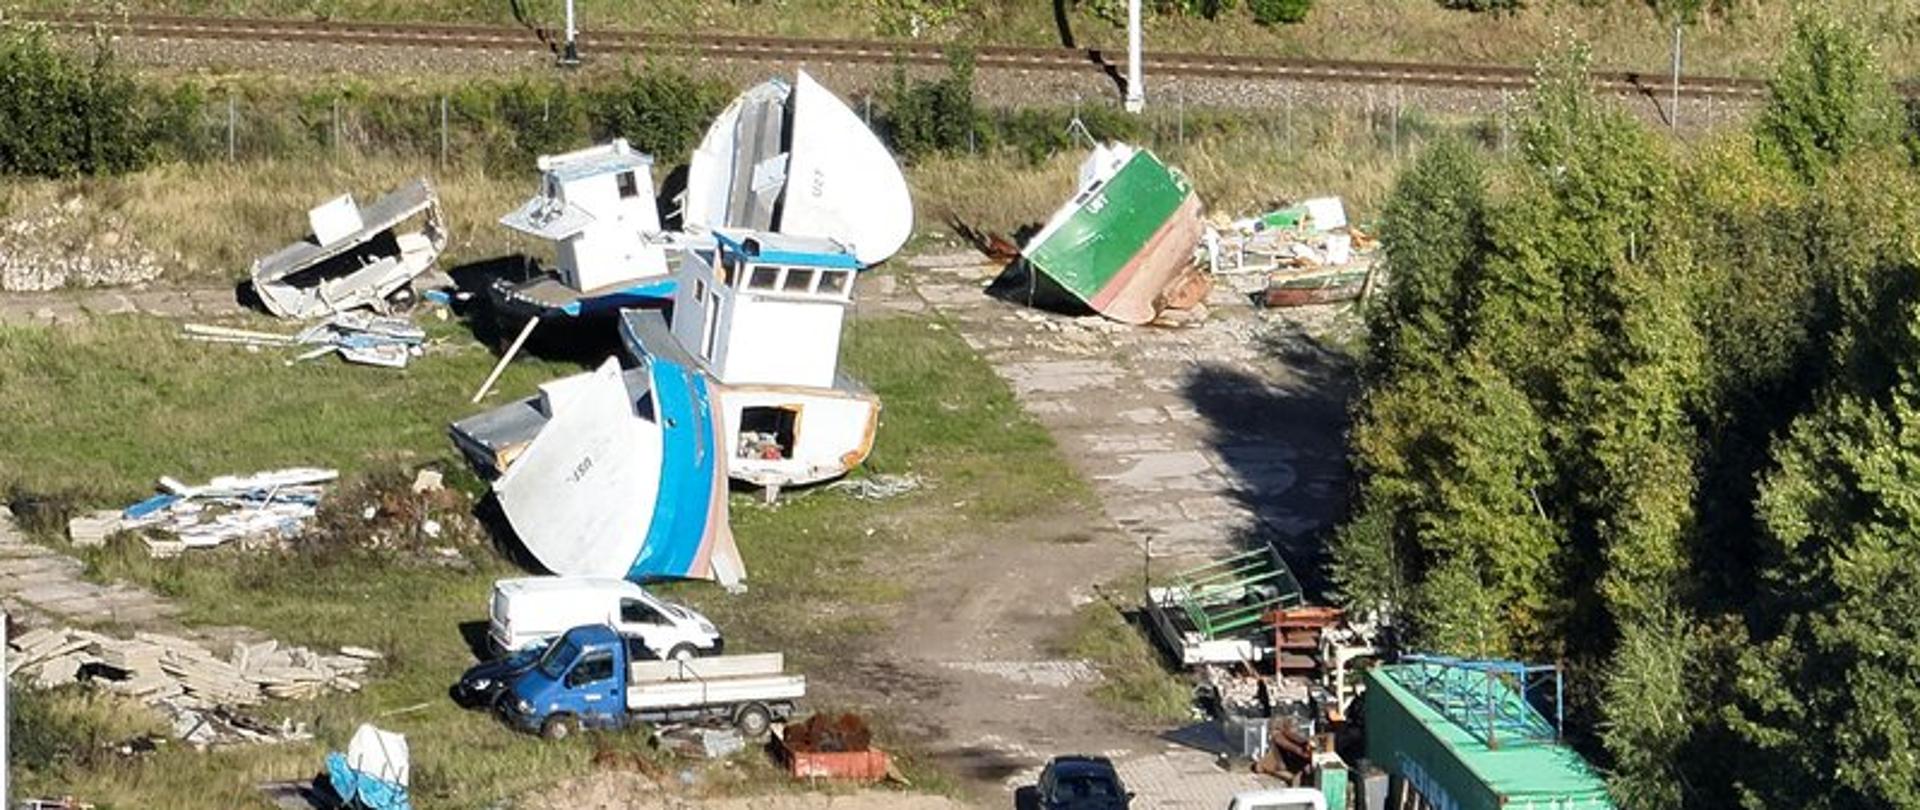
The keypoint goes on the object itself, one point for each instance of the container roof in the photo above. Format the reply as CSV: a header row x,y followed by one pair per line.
x,y
1518,769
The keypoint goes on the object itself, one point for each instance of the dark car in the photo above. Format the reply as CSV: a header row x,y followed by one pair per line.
x,y
483,682
1081,783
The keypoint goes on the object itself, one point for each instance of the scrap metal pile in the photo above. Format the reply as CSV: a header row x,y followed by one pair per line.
x,y
265,507
1299,255
193,686
353,257
833,747
356,336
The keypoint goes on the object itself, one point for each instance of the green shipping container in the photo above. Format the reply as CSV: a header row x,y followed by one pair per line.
x,y
1455,769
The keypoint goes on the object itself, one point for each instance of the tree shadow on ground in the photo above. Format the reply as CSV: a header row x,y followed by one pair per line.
x,y
1284,444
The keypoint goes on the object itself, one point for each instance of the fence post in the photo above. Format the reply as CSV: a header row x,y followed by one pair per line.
x,y
443,132
1505,121
1289,118
1180,123
229,127
1396,126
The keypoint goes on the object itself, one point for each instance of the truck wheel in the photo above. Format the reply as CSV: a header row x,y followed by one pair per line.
x,y
682,652
753,720
558,727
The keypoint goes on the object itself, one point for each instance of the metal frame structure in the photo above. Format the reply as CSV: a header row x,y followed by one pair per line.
x,y
1479,695
1212,595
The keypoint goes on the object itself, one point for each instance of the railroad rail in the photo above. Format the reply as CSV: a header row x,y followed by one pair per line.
x,y
1496,78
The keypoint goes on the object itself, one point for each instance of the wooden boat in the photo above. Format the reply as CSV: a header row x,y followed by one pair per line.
x,y
1320,288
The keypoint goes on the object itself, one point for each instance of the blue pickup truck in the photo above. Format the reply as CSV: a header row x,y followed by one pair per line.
x,y
590,678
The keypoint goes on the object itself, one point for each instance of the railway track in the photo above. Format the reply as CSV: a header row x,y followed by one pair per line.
x,y
1491,78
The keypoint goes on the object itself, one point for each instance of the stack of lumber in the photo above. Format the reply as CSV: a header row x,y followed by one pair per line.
x,y
182,676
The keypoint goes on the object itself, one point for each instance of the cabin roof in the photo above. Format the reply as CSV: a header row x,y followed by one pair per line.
x,y
777,248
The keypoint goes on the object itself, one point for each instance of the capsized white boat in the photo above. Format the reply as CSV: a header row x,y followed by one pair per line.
x,y
794,159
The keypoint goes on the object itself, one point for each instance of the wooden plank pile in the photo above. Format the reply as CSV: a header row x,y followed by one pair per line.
x,y
182,677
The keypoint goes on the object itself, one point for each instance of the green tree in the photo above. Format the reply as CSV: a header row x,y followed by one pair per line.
x,y
1830,695
1434,233
1827,99
60,116
1451,529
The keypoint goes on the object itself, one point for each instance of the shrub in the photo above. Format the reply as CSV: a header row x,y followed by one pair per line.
x,y
59,117
1275,12
928,117
661,112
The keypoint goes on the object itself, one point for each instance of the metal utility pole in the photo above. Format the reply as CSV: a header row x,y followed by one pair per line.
x,y
571,55
6,749
1673,112
1136,90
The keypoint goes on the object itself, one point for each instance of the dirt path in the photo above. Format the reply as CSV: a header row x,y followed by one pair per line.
x,y
1198,442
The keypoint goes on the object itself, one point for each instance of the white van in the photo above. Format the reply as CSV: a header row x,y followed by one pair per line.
x,y
526,610
1281,799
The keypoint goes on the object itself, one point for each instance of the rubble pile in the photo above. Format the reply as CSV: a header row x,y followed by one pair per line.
x,y
60,246
405,519
263,508
194,687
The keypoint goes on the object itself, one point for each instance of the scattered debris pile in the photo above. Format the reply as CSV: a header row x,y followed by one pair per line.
x,y
266,507
195,688
1298,255
367,340
403,515
353,257
701,742
65,245
878,487
833,747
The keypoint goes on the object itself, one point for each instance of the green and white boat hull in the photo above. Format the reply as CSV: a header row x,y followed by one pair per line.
x,y
1126,235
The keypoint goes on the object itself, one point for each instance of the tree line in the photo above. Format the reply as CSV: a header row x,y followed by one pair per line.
x,y
1653,410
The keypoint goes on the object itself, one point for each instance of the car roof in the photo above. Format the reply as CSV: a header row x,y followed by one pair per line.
x,y
592,635
524,585
1080,764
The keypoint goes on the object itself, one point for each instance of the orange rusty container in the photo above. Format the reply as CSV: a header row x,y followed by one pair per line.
x,y
861,766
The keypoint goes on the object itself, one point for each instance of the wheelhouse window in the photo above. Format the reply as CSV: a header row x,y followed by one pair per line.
x,y
799,280
764,278
629,185
836,282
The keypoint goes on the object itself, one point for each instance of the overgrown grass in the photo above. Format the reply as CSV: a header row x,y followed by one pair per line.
x,y
1237,171
108,406
104,407
208,222
1136,681
1625,33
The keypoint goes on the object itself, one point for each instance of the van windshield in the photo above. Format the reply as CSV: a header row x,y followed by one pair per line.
x,y
554,663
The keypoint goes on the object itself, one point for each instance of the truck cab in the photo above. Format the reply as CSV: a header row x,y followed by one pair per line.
x,y
580,682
